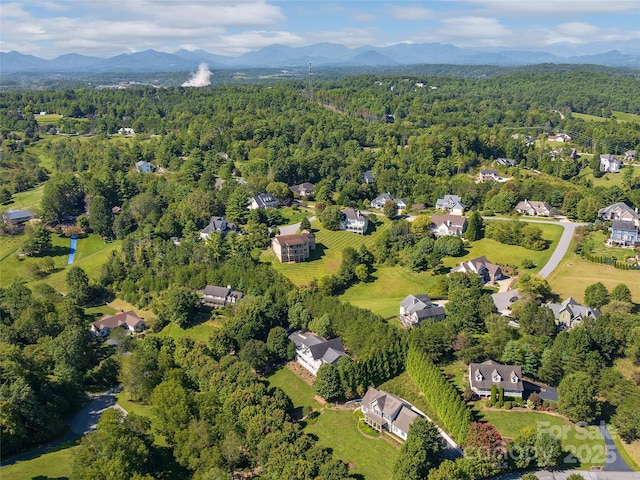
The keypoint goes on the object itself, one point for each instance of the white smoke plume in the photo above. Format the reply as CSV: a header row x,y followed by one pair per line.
x,y
199,78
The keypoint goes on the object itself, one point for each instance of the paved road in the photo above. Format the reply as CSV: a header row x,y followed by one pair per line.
x,y
614,461
289,229
82,422
563,244
562,475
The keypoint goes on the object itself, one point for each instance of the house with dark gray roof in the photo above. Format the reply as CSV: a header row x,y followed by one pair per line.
x,y
504,300
17,217
610,163
618,211
533,208
354,221
380,201
313,351
263,200
217,225
623,234
219,297
416,308
570,313
368,177
507,162
384,411
482,376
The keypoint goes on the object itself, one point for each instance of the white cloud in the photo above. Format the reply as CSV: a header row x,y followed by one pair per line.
x,y
237,44
406,12
363,17
349,37
554,7
488,30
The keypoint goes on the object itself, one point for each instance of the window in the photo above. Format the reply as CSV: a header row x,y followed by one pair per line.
x,y
497,378
479,377
514,379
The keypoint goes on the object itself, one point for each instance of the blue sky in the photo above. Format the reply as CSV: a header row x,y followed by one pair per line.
x,y
49,28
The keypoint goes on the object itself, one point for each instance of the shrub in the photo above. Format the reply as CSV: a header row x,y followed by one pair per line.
x,y
488,404
528,263
508,406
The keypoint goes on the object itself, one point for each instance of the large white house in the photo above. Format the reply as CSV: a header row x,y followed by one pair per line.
x,y
313,351
452,204
610,163
416,308
354,221
383,410
380,201
482,376
442,225
263,200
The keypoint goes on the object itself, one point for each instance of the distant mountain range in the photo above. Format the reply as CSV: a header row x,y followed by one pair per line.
x,y
322,54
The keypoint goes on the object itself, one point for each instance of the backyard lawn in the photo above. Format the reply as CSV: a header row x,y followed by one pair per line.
x,y
503,254
327,256
387,288
585,443
200,332
52,465
338,430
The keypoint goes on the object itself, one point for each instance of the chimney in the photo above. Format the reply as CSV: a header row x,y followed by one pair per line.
x,y
229,287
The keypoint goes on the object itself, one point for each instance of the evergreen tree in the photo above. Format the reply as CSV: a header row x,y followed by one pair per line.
x,y
475,227
100,216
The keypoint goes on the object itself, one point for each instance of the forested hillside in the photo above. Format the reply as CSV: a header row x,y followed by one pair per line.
x,y
199,375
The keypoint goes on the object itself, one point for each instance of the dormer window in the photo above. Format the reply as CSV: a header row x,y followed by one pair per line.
x,y
497,378
479,377
514,379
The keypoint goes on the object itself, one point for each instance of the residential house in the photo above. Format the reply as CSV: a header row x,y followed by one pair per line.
x,y
128,320
17,217
295,247
482,376
610,163
384,411
490,176
570,313
144,167
368,177
623,234
313,351
442,225
452,204
303,190
629,156
507,162
504,300
619,211
416,308
380,201
219,297
219,225
533,208
561,137
354,221
263,200
126,131
488,271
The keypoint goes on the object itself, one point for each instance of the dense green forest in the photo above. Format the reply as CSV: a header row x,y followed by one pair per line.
x,y
423,136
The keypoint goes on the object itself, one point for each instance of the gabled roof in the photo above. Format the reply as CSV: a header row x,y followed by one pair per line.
x,y
368,176
506,161
451,221
385,197
328,351
123,318
218,224
293,239
624,225
488,369
303,187
18,214
264,199
450,202
214,291
620,207
576,310
354,215
504,300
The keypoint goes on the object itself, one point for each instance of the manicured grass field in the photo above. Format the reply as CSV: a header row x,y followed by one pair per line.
x,y
387,288
48,118
327,256
292,216
53,465
298,391
27,200
338,430
586,443
574,274
512,254
200,332
608,179
619,116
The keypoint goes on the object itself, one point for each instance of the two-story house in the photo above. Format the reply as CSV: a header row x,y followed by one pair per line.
x,y
217,225
354,221
488,272
313,351
452,204
623,234
303,190
294,248
263,200
381,200
533,208
618,211
610,163
219,297
482,376
384,411
416,308
442,225
570,313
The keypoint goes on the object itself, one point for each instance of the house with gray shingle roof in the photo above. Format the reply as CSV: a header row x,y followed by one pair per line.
x,y
452,204
219,297
217,225
354,221
618,211
482,376
570,313
416,308
489,272
313,351
16,217
263,200
384,411
380,201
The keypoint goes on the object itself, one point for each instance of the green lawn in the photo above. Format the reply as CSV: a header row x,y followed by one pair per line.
x,y
511,254
608,179
292,216
574,274
52,465
298,391
200,332
48,118
27,200
338,430
91,254
327,256
619,116
387,288
586,442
